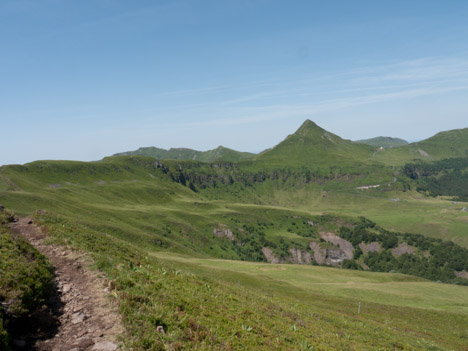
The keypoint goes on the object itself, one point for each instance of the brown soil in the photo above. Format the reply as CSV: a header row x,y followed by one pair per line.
x,y
79,314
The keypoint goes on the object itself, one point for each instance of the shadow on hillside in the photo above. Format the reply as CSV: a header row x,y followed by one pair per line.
x,y
33,331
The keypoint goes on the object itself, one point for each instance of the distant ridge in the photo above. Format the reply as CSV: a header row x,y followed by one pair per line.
x,y
313,146
381,141
221,153
448,144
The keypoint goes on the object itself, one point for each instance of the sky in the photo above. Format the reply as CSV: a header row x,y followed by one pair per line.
x,y
81,80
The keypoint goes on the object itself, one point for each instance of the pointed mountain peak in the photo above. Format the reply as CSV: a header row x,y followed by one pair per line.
x,y
307,126
311,131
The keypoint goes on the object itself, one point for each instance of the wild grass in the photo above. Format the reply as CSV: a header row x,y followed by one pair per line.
x,y
206,304
25,279
153,238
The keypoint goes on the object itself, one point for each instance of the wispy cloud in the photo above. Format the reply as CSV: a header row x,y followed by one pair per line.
x,y
364,86
399,80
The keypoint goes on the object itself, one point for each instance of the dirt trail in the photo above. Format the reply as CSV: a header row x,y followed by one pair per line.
x,y
79,316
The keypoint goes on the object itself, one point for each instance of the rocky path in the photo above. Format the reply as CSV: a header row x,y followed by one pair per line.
x,y
80,315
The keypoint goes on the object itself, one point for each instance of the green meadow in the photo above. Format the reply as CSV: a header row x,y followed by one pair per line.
x,y
162,233
286,279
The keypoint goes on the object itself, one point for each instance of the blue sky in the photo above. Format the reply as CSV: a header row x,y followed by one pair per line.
x,y
85,79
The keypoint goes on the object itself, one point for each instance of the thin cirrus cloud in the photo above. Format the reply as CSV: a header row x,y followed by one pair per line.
x,y
379,84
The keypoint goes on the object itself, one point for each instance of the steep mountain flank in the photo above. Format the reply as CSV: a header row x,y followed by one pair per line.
x,y
312,145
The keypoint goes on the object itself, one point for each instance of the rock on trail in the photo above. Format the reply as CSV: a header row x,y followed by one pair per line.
x,y
80,317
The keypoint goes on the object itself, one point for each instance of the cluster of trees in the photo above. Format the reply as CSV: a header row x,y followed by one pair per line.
x,y
426,267
445,177
249,242
434,259
367,231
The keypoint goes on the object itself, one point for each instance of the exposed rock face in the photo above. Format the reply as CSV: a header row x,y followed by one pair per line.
x,y
462,274
271,258
335,256
371,247
343,244
402,249
332,256
223,231
423,153
320,254
300,256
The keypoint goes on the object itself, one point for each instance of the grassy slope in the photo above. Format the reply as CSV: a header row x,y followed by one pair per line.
x,y
385,142
138,203
25,278
226,305
119,211
395,289
123,211
453,143
219,154
312,146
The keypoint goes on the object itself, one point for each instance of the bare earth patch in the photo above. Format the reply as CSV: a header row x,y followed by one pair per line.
x,y
462,274
371,247
403,248
223,231
80,316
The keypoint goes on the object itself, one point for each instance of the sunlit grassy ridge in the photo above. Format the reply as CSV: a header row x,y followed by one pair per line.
x,y
311,146
217,305
153,228
448,144
125,210
219,154
384,142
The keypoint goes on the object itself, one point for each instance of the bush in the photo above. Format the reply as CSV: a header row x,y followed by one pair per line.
x,y
25,279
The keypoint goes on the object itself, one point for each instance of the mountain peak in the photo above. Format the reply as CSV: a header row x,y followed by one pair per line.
x,y
313,145
308,126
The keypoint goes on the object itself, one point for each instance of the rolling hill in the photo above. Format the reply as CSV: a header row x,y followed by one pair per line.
x,y
219,154
385,142
448,144
188,245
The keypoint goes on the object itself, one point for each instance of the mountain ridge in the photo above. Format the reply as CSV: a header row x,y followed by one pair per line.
x,y
220,153
382,141
446,144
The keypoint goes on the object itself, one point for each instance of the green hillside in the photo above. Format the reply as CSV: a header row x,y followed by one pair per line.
x,y
312,146
25,279
185,245
448,144
385,142
219,154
